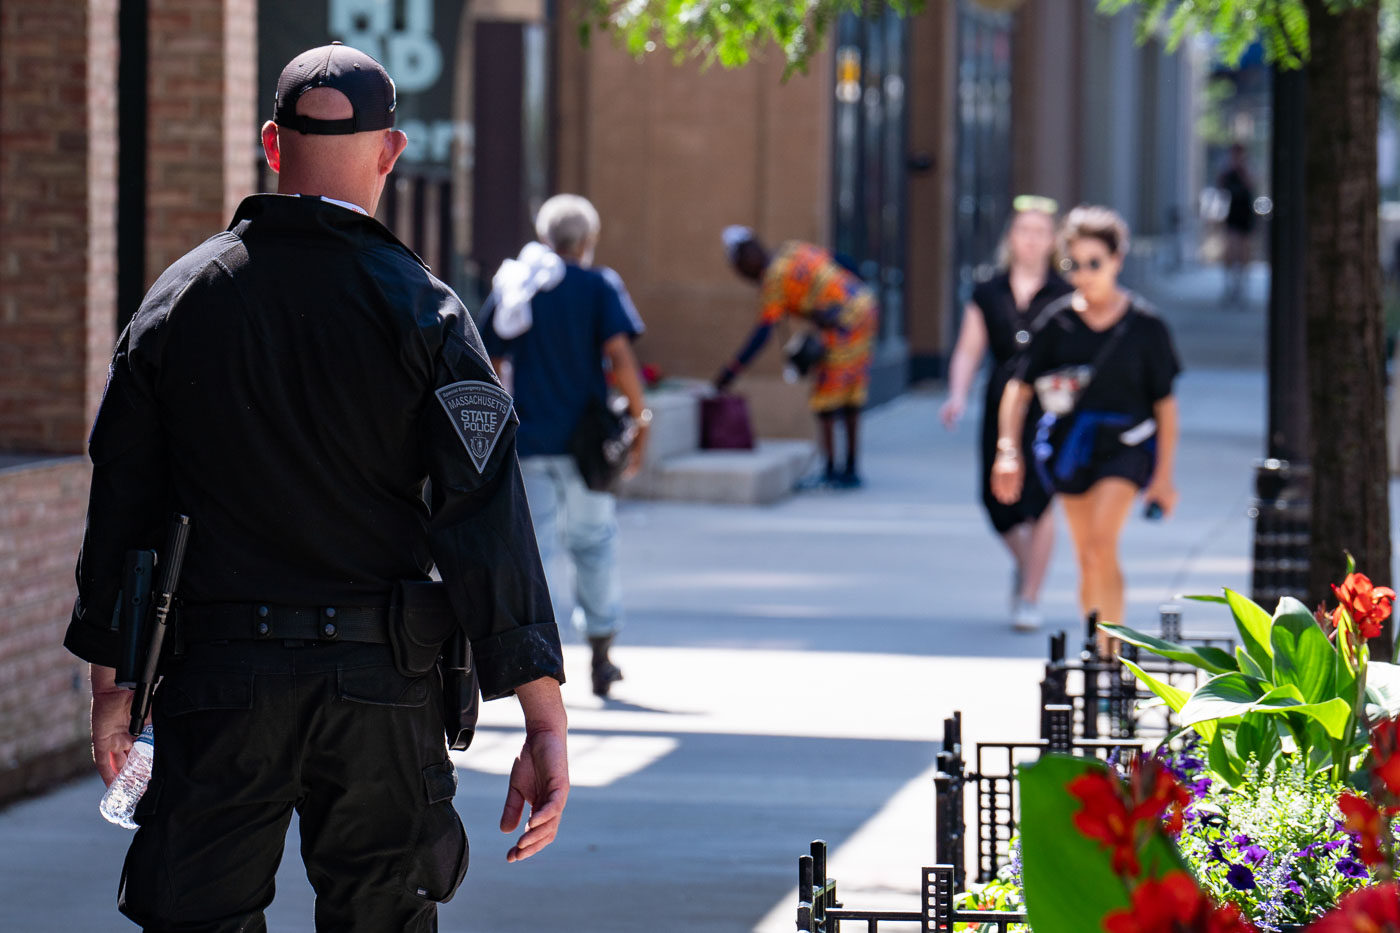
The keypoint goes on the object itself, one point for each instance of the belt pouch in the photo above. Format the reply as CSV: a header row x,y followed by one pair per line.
x,y
421,621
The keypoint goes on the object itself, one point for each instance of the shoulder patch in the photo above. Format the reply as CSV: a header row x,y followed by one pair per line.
x,y
479,413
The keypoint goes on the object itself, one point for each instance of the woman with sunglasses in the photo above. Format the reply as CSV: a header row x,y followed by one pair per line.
x,y
998,318
1102,366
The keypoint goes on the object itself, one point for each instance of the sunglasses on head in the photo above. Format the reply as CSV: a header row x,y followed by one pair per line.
x,y
1093,265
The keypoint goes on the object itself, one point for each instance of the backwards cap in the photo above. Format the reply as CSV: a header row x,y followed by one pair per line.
x,y
349,71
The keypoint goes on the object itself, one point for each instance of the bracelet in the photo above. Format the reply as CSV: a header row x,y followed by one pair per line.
x,y
644,417
1008,453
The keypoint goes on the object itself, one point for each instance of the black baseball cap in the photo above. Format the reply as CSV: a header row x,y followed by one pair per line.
x,y
349,71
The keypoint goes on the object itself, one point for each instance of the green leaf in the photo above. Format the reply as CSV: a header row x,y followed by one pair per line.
x,y
1303,656
1383,689
1069,880
1225,695
1222,758
1253,624
1257,736
1174,697
1208,598
1332,715
1207,658
1248,665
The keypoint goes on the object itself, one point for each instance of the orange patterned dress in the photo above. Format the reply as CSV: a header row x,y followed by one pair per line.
x,y
804,281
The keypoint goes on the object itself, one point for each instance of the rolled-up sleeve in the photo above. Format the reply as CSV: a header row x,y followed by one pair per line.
x,y
481,536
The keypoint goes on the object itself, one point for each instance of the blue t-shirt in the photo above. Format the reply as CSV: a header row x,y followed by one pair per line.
x,y
558,362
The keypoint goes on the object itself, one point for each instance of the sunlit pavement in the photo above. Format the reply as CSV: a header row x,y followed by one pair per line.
x,y
787,672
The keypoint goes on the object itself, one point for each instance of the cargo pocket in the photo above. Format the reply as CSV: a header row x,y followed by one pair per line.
x,y
382,686
437,862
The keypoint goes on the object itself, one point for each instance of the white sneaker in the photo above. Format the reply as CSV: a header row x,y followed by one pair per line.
x,y
1027,617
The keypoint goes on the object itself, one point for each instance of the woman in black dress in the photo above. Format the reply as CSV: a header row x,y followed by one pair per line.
x,y
1104,366
999,318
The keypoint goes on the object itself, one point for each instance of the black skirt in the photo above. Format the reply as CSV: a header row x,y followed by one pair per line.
x,y
1035,498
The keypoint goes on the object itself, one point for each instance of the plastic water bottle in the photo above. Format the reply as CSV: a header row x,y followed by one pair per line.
x,y
119,803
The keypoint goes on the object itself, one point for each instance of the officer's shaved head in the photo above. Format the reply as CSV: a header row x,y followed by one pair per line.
x,y
349,167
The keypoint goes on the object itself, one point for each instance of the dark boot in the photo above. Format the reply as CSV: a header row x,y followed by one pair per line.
x,y
605,673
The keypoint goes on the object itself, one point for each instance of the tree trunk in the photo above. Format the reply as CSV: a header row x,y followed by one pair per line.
x,y
1346,340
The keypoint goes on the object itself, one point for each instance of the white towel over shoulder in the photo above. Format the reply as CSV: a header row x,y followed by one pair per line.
x,y
538,269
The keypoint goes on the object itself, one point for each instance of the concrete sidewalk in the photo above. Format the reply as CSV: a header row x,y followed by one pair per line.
x,y
787,671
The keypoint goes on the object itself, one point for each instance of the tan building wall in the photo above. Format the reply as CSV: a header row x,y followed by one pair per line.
x,y
932,102
1046,103
671,155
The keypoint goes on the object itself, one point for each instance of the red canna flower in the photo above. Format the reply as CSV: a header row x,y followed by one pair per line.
x,y
1385,754
1175,904
1368,604
1155,791
1115,815
1375,909
1363,818
1105,817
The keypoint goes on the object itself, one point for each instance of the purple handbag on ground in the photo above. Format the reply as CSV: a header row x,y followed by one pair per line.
x,y
724,423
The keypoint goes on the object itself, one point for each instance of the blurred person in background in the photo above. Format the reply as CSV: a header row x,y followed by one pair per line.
x,y
550,323
805,282
1103,367
1000,317
1238,184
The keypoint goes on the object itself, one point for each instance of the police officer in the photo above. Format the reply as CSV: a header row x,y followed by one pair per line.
x,y
291,384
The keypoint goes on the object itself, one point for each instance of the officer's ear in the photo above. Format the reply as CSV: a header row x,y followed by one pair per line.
x,y
395,141
272,148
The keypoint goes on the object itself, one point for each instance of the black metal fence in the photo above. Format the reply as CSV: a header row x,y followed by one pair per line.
x,y
820,911
992,780
1108,700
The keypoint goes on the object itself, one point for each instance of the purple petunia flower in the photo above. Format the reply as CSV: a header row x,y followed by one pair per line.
x,y
1241,878
1215,852
1254,854
1295,887
1333,845
1307,851
1351,868
1200,788
1242,840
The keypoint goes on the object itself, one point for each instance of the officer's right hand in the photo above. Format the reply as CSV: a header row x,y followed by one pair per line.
x,y
540,776
111,717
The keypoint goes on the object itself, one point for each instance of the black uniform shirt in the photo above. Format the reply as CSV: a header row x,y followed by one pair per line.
x,y
279,385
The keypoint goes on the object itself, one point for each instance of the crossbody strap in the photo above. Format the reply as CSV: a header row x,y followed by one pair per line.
x,y
1115,337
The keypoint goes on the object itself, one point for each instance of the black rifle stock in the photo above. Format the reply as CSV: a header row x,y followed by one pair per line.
x,y
170,561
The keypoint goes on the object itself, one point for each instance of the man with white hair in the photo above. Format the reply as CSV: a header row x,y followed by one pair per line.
x,y
291,385
552,321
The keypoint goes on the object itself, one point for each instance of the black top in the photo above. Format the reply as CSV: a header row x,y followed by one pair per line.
x,y
1137,374
1005,321
291,384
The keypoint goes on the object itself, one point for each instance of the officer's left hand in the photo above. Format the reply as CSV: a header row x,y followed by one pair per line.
x,y
540,776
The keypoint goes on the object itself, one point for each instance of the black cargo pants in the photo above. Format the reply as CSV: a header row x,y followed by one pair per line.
x,y
245,732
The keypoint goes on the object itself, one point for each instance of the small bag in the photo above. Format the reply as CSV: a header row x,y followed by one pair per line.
x,y
804,352
724,423
602,443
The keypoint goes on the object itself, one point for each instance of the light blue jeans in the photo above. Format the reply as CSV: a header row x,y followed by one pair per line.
x,y
565,510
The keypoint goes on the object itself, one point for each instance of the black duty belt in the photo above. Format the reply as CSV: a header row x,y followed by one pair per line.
x,y
267,622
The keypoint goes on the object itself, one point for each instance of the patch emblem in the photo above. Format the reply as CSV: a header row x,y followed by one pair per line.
x,y
479,411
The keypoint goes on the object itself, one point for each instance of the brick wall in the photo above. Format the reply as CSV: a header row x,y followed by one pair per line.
x,y
203,140
43,689
57,307
57,170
